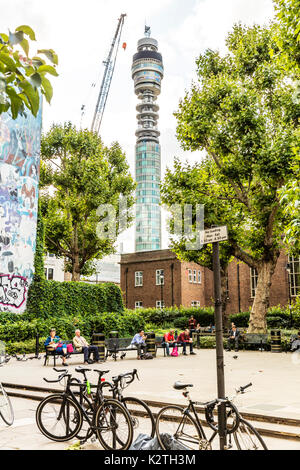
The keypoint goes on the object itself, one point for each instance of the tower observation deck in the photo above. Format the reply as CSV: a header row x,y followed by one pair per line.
x,y
147,73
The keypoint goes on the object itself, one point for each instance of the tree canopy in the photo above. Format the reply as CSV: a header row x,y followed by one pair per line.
x,y
241,112
78,175
23,78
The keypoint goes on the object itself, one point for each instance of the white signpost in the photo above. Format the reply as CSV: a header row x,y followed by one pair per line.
x,y
215,235
212,235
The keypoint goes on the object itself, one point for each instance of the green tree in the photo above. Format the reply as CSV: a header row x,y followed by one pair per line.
x,y
192,184
79,174
23,78
241,112
287,36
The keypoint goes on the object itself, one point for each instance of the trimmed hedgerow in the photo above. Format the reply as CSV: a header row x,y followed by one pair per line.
x,y
54,299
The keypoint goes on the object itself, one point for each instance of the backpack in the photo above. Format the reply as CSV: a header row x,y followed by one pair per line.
x,y
146,356
174,351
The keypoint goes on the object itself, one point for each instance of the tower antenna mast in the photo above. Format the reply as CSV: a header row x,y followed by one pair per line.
x,y
109,63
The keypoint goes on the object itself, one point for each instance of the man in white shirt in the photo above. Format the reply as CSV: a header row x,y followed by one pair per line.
x,y
81,344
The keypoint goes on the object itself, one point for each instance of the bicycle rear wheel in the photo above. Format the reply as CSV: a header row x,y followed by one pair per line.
x,y
6,409
113,425
141,416
59,418
181,426
247,438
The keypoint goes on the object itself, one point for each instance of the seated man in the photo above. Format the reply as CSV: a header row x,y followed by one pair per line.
x,y
295,343
233,338
169,340
184,339
80,344
139,342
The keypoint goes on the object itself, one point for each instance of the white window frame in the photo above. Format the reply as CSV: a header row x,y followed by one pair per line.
x,y
159,273
195,276
199,276
138,304
294,275
138,278
190,275
253,281
46,270
160,304
195,303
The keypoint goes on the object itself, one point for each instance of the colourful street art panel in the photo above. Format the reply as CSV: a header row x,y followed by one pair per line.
x,y
19,178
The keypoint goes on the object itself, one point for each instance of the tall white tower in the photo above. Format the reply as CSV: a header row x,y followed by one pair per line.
x,y
147,73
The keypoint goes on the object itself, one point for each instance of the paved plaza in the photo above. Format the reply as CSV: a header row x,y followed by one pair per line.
x,y
275,390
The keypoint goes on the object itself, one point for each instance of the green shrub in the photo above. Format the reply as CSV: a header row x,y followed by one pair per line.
x,y
54,299
167,316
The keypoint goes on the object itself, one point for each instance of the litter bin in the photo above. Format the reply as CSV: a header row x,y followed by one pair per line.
x,y
98,339
150,343
275,341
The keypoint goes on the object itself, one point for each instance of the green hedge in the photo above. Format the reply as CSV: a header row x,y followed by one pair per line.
x,y
53,299
180,315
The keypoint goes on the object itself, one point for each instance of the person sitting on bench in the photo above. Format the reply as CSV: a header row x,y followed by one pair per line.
x,y
233,338
295,343
183,340
54,343
81,344
138,341
169,340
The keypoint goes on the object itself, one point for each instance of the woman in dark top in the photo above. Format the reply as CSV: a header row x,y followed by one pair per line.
x,y
55,342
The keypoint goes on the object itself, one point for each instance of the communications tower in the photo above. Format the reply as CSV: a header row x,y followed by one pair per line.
x,y
147,73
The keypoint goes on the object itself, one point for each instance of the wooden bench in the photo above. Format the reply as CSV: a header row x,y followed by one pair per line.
x,y
116,345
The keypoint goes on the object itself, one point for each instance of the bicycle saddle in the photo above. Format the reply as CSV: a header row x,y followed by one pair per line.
x,y
180,386
101,372
82,369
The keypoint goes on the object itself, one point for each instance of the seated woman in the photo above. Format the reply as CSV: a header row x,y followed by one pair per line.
x,y
54,342
169,340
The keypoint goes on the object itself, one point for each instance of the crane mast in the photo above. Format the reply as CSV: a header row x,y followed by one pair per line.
x,y
109,63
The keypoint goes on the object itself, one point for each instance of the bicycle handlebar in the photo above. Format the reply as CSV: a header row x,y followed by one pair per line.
x,y
241,389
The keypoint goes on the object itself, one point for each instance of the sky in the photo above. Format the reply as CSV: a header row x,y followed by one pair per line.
x,y
81,33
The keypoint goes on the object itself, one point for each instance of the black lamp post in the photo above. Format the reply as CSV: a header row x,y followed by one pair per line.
x,y
288,269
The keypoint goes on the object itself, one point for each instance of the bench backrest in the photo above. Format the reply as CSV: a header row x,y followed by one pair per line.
x,y
256,337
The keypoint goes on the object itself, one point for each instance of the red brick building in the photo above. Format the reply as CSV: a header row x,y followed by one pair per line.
x,y
157,278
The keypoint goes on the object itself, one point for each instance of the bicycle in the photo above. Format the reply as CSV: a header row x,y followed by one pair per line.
x,y
185,426
136,407
60,416
6,409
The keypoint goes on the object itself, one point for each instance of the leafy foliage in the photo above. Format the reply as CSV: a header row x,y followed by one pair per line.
x,y
242,113
57,299
84,175
23,78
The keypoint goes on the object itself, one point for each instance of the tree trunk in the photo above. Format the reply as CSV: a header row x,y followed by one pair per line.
x,y
75,260
258,322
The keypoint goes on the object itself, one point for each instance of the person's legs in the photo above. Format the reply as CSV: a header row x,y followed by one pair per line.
x,y
183,347
167,346
191,348
86,354
236,344
95,351
229,343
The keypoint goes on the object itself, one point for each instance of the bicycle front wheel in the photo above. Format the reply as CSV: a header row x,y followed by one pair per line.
x,y
141,416
247,438
59,418
180,425
6,409
113,425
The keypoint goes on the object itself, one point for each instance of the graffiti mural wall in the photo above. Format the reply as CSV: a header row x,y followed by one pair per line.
x,y
19,178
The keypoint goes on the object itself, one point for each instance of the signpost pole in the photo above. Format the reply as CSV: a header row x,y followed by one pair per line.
x,y
219,345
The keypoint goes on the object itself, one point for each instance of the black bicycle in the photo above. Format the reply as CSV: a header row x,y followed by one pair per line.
x,y
141,415
60,416
185,426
